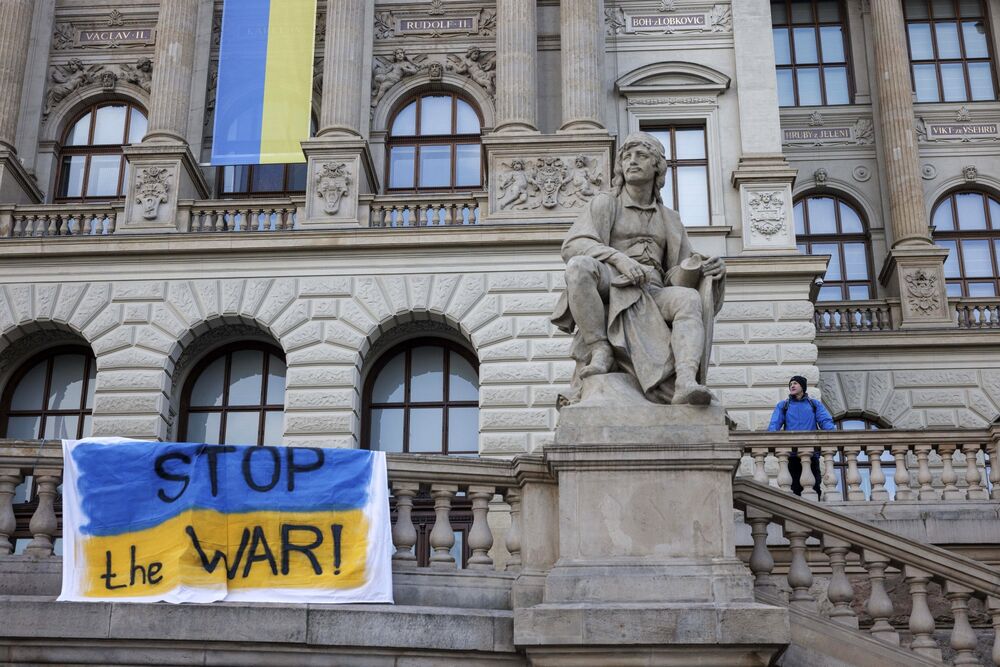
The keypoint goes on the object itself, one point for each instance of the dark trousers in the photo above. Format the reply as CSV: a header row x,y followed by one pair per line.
x,y
795,470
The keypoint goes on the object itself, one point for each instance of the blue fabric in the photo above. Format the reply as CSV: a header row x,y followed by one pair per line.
x,y
800,416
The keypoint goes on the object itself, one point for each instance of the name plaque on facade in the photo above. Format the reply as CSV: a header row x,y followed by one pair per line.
x,y
115,36
817,134
962,130
436,25
665,23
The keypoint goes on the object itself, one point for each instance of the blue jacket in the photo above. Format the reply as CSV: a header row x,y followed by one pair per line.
x,y
800,416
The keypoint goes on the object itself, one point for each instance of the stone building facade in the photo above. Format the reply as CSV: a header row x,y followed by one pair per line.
x,y
142,285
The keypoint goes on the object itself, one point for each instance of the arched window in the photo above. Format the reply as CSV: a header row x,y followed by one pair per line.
x,y
829,225
91,163
434,144
423,397
235,396
968,224
50,396
263,180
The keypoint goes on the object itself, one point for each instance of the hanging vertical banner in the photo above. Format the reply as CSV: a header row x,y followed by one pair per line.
x,y
183,522
264,93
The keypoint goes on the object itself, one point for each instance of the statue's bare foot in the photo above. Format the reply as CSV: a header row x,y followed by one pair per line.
x,y
602,358
692,394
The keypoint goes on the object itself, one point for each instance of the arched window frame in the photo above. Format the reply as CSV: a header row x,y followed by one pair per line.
x,y
48,356
806,241
418,140
407,404
949,234
226,351
89,150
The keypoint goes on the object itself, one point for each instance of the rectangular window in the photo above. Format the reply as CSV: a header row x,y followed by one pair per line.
x,y
949,42
810,49
685,188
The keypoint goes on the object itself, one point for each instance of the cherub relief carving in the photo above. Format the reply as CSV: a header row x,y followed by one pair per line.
x,y
478,66
581,183
514,185
387,73
139,74
64,79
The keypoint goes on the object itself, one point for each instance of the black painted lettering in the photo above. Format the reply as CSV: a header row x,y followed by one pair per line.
x,y
108,574
307,549
212,452
154,570
275,467
259,540
218,556
133,568
294,467
336,529
162,473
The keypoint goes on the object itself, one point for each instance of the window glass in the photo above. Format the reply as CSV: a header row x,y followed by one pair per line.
x,y
951,268
467,165
463,382
810,53
982,289
925,83
29,394
275,380
786,88
25,428
79,135
971,214
943,216
426,430
850,221
690,144
947,40
435,166
799,221
974,247
105,170
805,46
782,50
66,386
274,427
401,162
921,44
208,388
685,186
245,377
692,186
833,268
405,123
943,9
466,119
268,178
822,215
109,127
981,81
387,429
91,163
810,93
61,427
974,36
829,225
953,82
836,85
137,126
463,429
435,114
241,428
389,384
916,9
976,259
47,396
427,380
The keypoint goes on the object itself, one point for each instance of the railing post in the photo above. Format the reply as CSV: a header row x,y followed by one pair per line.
x,y
43,523
921,619
480,538
927,492
9,479
761,561
806,478
442,537
879,605
800,577
839,591
784,477
877,475
830,492
902,476
854,490
948,475
963,637
973,475
404,535
759,454
994,453
513,539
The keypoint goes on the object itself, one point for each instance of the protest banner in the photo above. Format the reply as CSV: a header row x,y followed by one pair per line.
x,y
186,522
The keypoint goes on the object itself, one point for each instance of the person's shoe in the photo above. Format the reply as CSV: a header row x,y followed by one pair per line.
x,y
694,394
602,359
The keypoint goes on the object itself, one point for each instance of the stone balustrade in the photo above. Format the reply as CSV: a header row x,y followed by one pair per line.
x,y
435,210
878,466
254,215
64,220
852,316
861,557
982,313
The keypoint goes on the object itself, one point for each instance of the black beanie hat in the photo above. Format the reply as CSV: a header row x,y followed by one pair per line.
x,y
801,380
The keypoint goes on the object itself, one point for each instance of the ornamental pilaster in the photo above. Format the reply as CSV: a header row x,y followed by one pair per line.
x,y
517,92
344,69
15,36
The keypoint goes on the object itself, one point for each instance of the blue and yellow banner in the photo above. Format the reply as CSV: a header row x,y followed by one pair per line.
x,y
264,94
185,522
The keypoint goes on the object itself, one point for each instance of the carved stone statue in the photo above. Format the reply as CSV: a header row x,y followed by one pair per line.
x,y
640,300
478,66
64,79
387,73
513,186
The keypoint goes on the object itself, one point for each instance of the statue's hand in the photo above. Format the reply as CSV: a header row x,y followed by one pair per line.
x,y
714,266
631,269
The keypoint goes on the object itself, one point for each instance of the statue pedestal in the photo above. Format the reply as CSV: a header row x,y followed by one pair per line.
x,y
647,561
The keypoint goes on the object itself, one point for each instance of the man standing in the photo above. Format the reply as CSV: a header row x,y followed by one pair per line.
x,y
633,304
800,412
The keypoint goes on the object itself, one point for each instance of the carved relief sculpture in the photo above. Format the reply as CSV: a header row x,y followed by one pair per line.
x,y
478,66
64,79
640,303
549,184
513,186
549,177
766,213
970,173
921,291
387,73
333,183
151,188
139,74
581,183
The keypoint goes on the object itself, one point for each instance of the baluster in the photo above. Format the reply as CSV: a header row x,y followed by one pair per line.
x,y
52,225
513,543
43,523
973,475
448,214
283,219
948,476
761,561
993,604
784,477
442,536
9,479
378,216
806,478
921,619
854,490
112,222
830,492
480,536
800,577
759,473
963,637
927,492
839,591
879,605
404,535
16,226
902,476
879,492
994,462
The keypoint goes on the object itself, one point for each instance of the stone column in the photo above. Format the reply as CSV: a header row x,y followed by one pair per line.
x,y
170,92
15,36
763,177
582,40
163,170
516,77
345,76
915,264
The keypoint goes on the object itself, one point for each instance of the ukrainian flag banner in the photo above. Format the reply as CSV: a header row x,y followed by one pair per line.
x,y
185,522
264,92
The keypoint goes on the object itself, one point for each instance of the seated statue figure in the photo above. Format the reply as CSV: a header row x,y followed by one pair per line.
x,y
640,300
